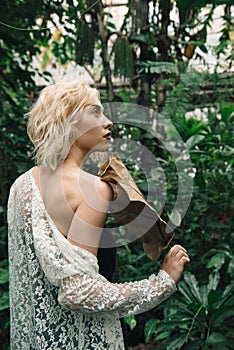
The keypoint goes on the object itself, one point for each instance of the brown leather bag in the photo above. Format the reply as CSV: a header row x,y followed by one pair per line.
x,y
131,209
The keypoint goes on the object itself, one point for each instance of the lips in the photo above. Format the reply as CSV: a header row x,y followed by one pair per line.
x,y
107,136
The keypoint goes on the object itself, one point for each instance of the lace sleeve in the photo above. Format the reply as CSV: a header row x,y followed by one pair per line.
x,y
98,295
81,287
75,272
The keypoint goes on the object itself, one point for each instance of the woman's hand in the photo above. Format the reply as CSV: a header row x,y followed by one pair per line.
x,y
175,261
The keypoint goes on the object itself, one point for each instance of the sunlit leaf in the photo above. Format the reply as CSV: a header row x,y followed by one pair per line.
x,y
216,338
216,261
214,279
130,321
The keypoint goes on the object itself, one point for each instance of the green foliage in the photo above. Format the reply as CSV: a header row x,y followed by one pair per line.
x,y
183,4
207,228
4,301
158,67
218,257
122,58
198,316
17,91
136,264
150,328
4,279
84,44
131,322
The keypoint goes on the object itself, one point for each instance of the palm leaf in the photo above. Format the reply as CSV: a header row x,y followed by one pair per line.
x,y
192,282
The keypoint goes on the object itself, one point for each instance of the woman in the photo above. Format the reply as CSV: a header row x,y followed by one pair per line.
x,y
56,213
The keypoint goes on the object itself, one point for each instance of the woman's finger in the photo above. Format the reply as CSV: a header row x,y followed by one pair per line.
x,y
185,260
175,249
180,254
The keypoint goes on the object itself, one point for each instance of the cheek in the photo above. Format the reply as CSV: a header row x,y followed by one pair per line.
x,y
90,138
92,133
87,130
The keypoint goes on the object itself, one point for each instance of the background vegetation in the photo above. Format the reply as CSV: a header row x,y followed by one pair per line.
x,y
146,63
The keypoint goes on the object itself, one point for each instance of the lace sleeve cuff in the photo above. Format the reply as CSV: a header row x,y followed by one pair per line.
x,y
167,277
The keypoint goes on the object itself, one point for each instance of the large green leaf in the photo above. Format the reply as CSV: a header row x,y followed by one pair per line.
x,y
204,294
216,338
213,297
230,269
177,342
163,335
150,328
140,38
186,291
4,275
193,285
4,300
219,316
228,295
214,279
226,110
158,67
194,140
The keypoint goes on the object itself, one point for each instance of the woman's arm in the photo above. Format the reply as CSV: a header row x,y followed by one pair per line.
x,y
95,294
86,227
75,270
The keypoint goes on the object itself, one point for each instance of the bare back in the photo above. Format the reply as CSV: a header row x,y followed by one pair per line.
x,y
76,201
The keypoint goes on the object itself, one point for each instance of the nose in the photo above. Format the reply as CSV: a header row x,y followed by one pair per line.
x,y
107,123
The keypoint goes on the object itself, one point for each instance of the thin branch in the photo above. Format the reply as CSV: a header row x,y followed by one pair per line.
x,y
190,328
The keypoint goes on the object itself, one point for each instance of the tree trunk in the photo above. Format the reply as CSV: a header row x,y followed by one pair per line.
x,y
163,43
163,39
139,10
105,55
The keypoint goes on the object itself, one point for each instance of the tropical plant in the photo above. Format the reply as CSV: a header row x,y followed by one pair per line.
x,y
199,317
155,70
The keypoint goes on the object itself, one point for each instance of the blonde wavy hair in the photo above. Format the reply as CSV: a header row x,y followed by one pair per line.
x,y
53,119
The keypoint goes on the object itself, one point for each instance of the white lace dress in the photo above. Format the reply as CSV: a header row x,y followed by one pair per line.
x,y
58,300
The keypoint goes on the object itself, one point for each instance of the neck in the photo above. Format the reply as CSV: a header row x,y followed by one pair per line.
x,y
76,155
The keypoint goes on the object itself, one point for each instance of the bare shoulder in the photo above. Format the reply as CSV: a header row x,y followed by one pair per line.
x,y
95,184
104,189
